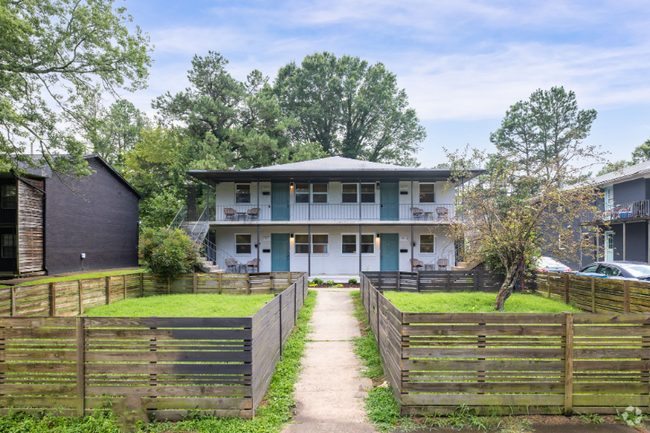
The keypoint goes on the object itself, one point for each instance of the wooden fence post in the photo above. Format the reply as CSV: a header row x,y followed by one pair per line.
x,y
377,317
626,296
417,282
13,300
142,284
107,283
289,277
195,283
398,281
248,284
280,321
53,299
593,294
124,284
81,371
548,285
566,288
220,282
568,364
295,303
475,275
81,296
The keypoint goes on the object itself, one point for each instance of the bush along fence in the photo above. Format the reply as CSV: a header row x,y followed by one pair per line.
x,y
596,294
512,363
436,281
71,298
143,368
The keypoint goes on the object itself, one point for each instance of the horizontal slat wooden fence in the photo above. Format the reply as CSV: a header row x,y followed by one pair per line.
x,y
514,363
144,368
71,298
436,281
596,294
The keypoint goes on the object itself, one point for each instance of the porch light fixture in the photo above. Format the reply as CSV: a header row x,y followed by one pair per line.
x,y
377,185
291,184
378,236
291,235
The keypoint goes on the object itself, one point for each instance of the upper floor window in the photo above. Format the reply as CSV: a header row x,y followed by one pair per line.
x,y
8,199
319,192
242,193
349,193
302,193
367,193
427,193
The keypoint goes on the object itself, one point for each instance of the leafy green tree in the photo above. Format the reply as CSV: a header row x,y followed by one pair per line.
x,y
118,130
547,129
167,253
350,108
640,154
56,57
231,124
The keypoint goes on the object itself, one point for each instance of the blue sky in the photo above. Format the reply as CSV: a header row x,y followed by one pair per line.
x,y
462,62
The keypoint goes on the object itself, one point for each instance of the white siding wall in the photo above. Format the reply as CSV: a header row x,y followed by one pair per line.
x,y
225,193
335,262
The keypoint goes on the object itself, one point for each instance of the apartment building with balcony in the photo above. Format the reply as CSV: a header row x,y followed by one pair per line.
x,y
623,215
330,216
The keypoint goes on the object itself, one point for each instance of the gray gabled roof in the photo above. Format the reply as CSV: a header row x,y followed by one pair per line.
x,y
333,163
627,173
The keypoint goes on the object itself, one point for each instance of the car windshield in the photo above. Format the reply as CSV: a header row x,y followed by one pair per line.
x,y
638,270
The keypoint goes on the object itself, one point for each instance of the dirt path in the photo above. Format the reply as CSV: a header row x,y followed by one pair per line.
x,y
329,392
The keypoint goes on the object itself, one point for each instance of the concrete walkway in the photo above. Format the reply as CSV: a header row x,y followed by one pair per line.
x,y
329,392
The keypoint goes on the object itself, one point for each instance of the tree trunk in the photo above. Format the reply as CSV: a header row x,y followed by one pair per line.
x,y
506,288
169,285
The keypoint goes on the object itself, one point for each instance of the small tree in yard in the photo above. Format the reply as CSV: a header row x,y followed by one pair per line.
x,y
168,253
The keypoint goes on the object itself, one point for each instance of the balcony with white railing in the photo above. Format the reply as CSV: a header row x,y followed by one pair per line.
x,y
343,212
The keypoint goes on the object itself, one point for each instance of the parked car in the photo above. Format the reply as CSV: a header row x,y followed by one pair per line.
x,y
549,264
636,270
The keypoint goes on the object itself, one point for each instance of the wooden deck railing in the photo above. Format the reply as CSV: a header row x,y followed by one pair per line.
x,y
514,363
145,367
71,298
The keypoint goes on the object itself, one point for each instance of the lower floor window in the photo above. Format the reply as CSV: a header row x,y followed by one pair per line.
x,y
243,244
426,244
8,246
349,244
319,244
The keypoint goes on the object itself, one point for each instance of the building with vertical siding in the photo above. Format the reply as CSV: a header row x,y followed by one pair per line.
x,y
329,216
52,224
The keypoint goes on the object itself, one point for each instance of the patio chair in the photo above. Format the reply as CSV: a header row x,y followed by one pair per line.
x,y
253,265
253,213
416,264
417,212
232,265
443,263
442,212
231,213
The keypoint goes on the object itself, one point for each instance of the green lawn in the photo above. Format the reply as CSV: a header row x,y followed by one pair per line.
x,y
184,306
466,302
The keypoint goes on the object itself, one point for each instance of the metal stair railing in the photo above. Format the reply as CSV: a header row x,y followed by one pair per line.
x,y
179,219
215,254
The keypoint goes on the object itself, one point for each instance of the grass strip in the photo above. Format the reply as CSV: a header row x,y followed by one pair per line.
x,y
272,414
185,305
475,302
82,277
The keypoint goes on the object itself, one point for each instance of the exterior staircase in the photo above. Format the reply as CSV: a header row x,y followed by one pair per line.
x,y
464,266
198,231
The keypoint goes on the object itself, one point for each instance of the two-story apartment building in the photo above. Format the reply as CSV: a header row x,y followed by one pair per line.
x,y
333,216
626,210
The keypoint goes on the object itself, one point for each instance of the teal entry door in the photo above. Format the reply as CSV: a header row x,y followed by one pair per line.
x,y
389,250
280,201
389,201
280,252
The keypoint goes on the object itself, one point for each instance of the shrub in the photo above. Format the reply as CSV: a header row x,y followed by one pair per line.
x,y
330,283
167,253
317,281
352,281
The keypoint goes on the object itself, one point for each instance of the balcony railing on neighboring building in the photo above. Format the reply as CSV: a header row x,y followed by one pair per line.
x,y
335,212
637,209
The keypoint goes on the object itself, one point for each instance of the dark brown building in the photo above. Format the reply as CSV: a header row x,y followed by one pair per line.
x,y
51,224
